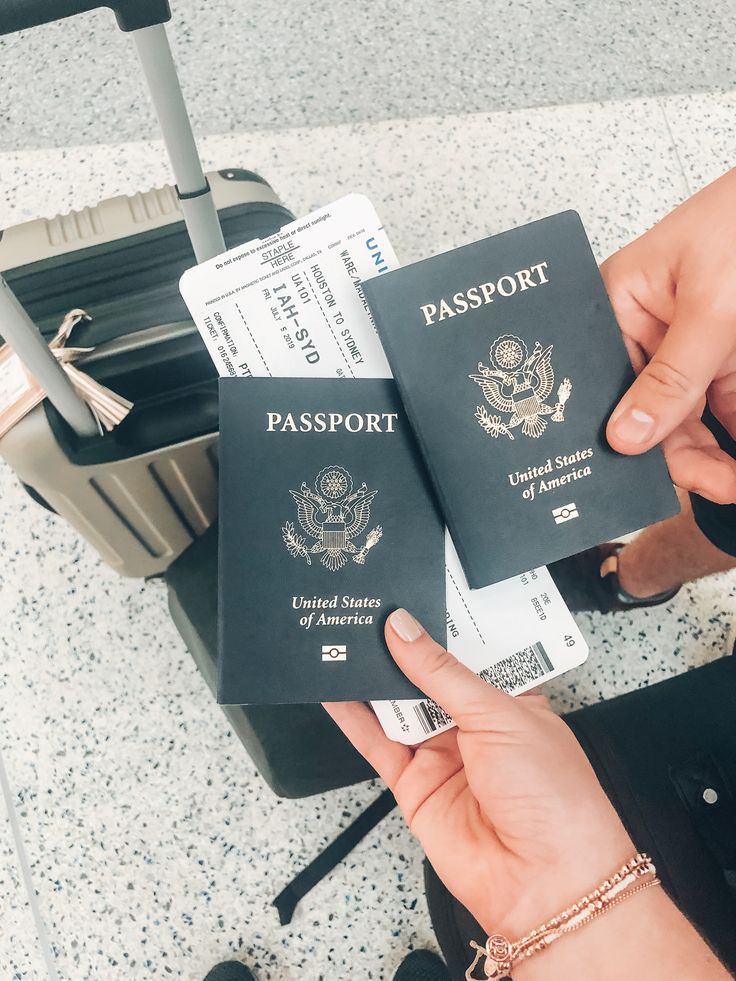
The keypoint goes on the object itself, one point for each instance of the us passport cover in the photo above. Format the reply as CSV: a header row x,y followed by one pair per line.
x,y
327,524
509,361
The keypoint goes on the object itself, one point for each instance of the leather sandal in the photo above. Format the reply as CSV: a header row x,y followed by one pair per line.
x,y
589,581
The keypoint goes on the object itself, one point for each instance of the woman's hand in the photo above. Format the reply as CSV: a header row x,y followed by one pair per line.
x,y
507,807
674,293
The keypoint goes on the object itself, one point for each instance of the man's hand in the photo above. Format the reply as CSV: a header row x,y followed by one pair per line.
x,y
674,293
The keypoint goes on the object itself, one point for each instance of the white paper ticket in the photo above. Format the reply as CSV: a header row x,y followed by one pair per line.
x,y
292,305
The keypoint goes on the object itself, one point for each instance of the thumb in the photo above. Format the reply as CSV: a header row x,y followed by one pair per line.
x,y
673,385
463,695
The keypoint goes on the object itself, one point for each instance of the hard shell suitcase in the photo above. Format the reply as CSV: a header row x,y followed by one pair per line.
x,y
142,493
146,492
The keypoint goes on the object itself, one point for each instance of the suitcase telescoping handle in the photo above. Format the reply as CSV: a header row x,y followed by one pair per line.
x,y
144,20
132,15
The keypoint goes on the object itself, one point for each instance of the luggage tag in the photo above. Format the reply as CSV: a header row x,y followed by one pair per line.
x,y
293,305
19,391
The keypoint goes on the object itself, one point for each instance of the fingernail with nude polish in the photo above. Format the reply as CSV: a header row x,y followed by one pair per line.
x,y
633,426
406,626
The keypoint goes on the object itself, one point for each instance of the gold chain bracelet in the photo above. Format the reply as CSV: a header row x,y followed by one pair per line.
x,y
499,954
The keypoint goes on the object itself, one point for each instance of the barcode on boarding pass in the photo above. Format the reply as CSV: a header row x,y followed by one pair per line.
x,y
515,671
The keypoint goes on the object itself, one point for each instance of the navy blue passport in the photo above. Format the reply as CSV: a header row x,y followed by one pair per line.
x,y
327,524
509,361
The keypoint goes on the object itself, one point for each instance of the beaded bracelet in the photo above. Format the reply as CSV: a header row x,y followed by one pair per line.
x,y
499,954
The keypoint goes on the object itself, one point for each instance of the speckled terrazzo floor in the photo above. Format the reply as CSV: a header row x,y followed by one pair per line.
x,y
154,847
286,66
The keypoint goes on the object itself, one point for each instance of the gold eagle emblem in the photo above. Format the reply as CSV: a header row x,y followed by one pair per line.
x,y
518,384
332,515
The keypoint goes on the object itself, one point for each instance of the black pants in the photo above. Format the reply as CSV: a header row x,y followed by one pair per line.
x,y
717,521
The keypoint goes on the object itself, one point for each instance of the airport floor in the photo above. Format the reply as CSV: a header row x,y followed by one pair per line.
x,y
136,837
263,65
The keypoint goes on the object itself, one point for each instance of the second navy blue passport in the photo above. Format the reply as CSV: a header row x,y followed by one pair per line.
x,y
509,361
327,524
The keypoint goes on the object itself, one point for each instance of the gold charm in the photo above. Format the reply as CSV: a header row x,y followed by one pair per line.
x,y
496,957
499,953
